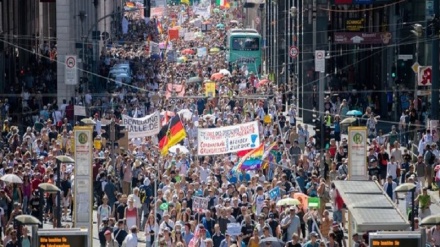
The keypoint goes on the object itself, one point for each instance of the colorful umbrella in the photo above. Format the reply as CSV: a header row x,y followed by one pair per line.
x,y
354,113
263,82
216,76
182,59
220,26
214,50
195,79
225,72
303,199
163,206
288,202
187,52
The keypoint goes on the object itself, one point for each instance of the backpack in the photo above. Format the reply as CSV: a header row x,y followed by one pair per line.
x,y
432,158
326,194
142,194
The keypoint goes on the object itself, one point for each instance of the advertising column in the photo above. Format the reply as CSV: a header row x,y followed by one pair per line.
x,y
357,151
83,182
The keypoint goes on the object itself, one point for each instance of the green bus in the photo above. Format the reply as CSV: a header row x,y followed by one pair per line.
x,y
244,49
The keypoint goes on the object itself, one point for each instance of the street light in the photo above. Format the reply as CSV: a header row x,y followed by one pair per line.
x,y
60,159
408,187
45,188
418,32
294,14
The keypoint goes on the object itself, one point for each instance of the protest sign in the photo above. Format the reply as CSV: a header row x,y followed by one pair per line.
x,y
233,229
154,48
142,127
229,139
210,89
172,56
202,52
203,11
199,203
173,33
189,36
274,193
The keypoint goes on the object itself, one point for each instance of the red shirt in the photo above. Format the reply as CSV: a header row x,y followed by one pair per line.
x,y
332,150
35,184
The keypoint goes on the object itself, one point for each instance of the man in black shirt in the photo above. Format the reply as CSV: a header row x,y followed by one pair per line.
x,y
247,228
103,228
120,211
373,170
120,233
217,237
66,188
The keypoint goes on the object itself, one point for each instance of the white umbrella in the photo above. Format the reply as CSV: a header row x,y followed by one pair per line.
x,y
185,113
225,72
179,147
12,178
210,116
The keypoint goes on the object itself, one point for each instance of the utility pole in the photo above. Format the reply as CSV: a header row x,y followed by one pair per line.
x,y
435,64
320,86
112,141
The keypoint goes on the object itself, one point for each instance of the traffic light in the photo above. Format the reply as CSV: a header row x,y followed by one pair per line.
x,y
327,136
317,128
147,10
393,72
106,133
96,35
119,131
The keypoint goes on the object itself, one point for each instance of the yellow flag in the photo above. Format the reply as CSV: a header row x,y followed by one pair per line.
x,y
184,2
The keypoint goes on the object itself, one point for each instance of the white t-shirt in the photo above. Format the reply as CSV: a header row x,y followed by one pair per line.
x,y
259,202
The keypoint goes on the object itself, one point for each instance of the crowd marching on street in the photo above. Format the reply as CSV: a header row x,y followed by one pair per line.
x,y
179,188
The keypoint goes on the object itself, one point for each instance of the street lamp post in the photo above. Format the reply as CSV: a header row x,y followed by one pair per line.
x,y
409,187
60,159
417,31
294,14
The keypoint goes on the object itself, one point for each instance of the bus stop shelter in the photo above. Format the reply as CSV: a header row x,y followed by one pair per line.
x,y
369,208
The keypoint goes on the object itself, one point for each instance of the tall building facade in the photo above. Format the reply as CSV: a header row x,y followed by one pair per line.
x,y
365,43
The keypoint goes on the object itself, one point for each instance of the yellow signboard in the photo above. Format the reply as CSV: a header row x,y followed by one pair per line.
x,y
210,89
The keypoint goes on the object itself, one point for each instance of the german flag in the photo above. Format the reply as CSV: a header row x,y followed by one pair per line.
x,y
171,134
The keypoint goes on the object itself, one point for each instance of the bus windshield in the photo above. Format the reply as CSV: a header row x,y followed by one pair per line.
x,y
245,44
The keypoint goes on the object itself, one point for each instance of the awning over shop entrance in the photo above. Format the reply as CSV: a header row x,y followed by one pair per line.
x,y
370,207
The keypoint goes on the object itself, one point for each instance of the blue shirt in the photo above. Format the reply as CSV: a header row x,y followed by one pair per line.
x,y
187,237
314,191
244,177
310,244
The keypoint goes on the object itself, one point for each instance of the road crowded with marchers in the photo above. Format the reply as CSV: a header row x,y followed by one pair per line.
x,y
215,154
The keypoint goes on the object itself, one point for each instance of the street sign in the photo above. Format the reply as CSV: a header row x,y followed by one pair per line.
x,y
415,67
405,57
320,61
293,52
70,71
424,76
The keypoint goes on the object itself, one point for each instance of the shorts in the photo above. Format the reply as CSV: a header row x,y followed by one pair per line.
x,y
337,216
66,202
337,136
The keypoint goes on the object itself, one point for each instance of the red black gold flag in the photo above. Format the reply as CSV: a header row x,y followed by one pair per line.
x,y
171,134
